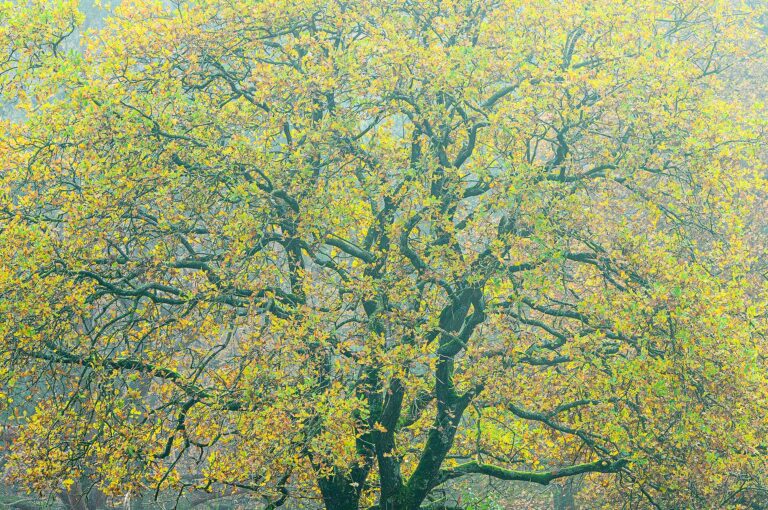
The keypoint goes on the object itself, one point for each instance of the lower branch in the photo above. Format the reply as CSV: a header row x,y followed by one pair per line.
x,y
540,477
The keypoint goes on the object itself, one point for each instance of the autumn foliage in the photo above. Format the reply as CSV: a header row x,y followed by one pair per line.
x,y
356,251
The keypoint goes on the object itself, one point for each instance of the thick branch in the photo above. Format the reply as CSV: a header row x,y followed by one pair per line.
x,y
540,477
350,249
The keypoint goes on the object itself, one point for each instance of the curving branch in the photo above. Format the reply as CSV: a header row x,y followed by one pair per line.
x,y
540,477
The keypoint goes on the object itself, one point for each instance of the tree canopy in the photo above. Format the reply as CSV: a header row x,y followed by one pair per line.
x,y
352,251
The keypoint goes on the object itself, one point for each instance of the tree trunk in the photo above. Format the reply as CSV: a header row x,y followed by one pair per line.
x,y
339,493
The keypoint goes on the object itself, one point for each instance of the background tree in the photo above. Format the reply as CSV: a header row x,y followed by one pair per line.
x,y
356,250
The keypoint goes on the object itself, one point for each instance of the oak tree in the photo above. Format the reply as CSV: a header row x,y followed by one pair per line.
x,y
356,250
